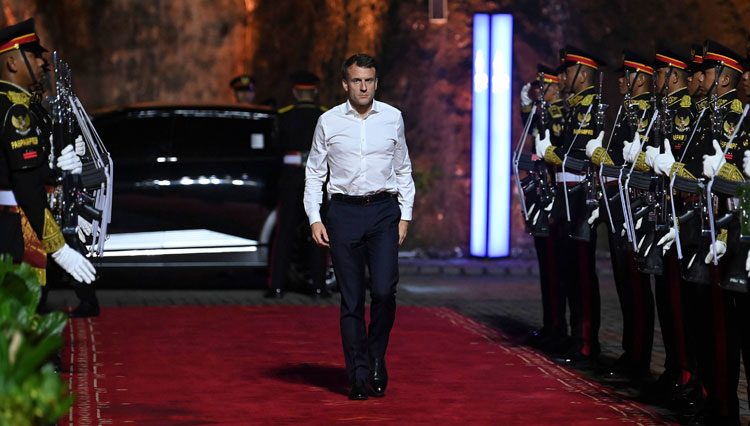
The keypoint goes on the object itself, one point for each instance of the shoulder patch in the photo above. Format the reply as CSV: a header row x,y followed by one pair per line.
x,y
555,111
643,105
736,106
324,109
587,100
286,109
18,98
686,101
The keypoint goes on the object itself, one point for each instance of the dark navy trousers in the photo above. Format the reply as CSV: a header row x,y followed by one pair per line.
x,y
365,237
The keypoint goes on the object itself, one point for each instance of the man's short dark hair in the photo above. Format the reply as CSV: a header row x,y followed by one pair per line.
x,y
361,60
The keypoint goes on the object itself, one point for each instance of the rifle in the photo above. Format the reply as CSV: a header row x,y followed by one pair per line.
x,y
88,195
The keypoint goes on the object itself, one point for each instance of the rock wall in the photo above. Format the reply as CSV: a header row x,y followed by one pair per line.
x,y
125,51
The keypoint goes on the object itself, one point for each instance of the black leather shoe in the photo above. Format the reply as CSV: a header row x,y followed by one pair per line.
x,y
379,378
85,310
358,391
576,358
274,293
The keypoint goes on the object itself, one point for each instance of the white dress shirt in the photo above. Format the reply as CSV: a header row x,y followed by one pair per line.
x,y
365,155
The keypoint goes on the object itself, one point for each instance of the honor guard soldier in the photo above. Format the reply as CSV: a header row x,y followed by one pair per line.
x,y
724,305
693,80
244,89
28,227
633,287
545,90
575,238
296,127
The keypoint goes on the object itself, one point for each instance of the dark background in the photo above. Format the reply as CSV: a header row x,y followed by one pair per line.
x,y
187,51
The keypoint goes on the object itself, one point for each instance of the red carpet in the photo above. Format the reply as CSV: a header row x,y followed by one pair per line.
x,y
283,365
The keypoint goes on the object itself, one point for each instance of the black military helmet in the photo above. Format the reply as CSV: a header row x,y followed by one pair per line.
x,y
715,54
20,36
634,62
550,74
304,80
243,82
667,56
575,56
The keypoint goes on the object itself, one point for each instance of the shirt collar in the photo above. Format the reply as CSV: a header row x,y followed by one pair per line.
x,y
374,109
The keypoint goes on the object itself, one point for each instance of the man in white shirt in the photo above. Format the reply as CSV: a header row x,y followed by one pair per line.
x,y
362,144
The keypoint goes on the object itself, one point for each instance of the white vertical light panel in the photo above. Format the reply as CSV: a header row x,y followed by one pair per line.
x,y
480,136
501,53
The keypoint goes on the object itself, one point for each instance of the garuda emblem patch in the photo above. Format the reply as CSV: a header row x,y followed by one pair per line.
x,y
583,120
556,128
682,123
728,129
642,125
22,124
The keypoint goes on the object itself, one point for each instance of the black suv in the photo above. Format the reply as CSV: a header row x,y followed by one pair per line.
x,y
194,185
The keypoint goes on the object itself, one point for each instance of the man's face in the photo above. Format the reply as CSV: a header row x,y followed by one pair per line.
x,y
562,81
24,75
694,84
661,78
622,83
746,83
360,86
707,81
570,74
244,96
553,93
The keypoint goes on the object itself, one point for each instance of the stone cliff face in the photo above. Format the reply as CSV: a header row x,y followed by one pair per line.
x,y
125,51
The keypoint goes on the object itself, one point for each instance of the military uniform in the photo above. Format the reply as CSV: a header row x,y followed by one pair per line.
x,y
633,287
296,126
575,262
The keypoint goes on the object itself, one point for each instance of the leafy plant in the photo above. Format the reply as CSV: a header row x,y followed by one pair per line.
x,y
31,392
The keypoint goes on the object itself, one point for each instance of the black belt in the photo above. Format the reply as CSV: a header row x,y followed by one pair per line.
x,y
363,200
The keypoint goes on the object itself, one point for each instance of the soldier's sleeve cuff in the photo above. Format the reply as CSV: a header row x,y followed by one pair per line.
x,y
600,154
722,236
52,238
526,108
730,172
681,171
640,163
551,157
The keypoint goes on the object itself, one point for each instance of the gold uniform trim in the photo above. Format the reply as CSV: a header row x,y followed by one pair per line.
x,y
736,106
587,100
640,163
686,101
680,169
551,157
555,111
722,236
18,98
53,238
730,172
600,154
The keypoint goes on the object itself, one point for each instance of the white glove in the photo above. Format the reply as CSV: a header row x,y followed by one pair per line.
x,y
625,226
663,162
84,228
75,264
593,144
68,161
651,154
549,206
80,146
525,99
712,163
721,248
631,150
542,144
747,264
667,240
746,163
594,216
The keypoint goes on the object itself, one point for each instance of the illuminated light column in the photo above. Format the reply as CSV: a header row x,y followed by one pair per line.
x,y
480,136
491,136
501,44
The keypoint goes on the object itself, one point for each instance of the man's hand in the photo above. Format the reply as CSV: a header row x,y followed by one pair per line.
x,y
68,161
593,144
525,97
712,163
721,248
663,162
651,153
594,216
80,146
319,234
75,264
667,240
542,144
631,150
746,163
403,227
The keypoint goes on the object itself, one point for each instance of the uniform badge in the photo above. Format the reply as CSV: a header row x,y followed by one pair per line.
x,y
583,120
728,129
682,123
22,124
642,125
556,128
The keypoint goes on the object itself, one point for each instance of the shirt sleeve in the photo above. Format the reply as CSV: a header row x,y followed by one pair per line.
x,y
316,171
402,169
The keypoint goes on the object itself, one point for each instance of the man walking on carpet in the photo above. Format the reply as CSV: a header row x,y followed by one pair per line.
x,y
361,143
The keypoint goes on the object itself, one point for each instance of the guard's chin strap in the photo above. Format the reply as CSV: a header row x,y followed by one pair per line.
x,y
573,82
631,87
717,73
665,87
36,87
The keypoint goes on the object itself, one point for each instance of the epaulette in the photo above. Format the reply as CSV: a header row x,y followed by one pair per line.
x,y
324,109
587,100
686,101
730,172
736,106
286,109
555,111
643,105
18,98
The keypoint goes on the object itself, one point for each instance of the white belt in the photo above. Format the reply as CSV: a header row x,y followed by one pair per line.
x,y
569,177
609,179
293,159
7,198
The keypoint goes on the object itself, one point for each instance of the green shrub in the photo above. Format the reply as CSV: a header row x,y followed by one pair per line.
x,y
31,392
